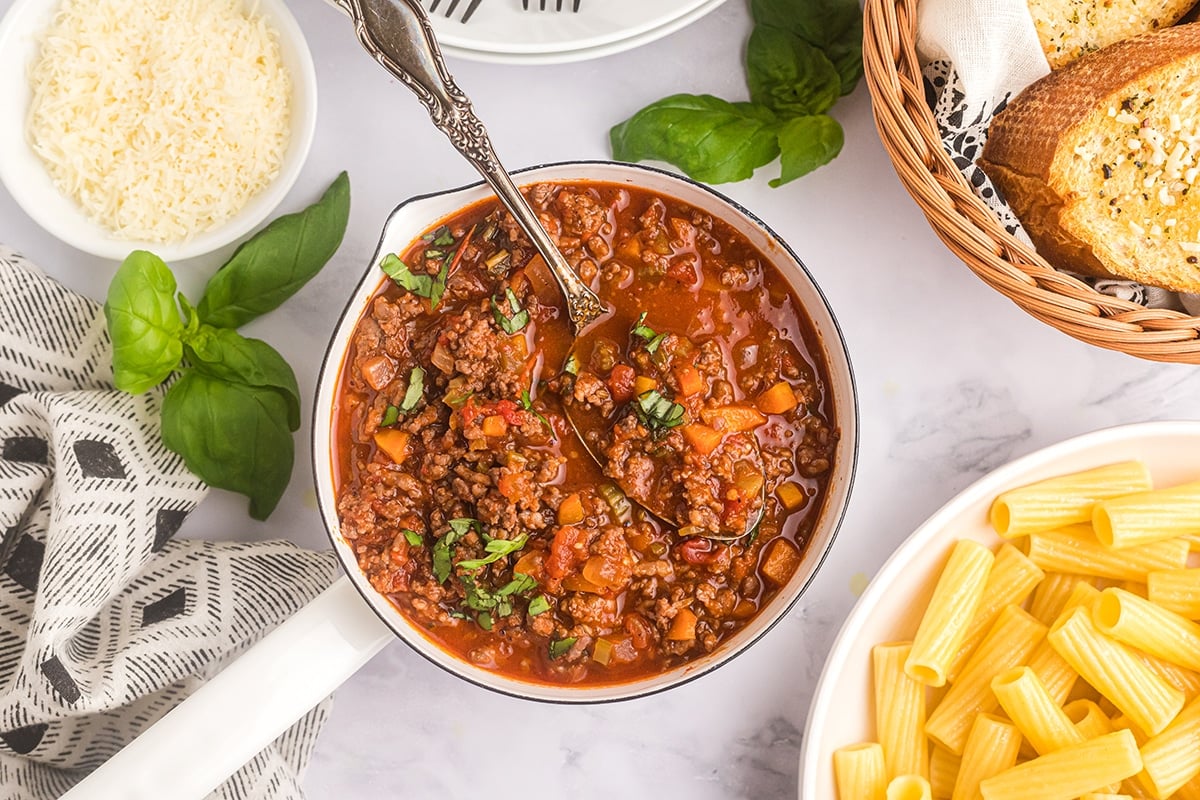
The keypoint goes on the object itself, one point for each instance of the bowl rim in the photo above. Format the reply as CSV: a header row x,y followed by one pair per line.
x,y
987,486
25,18
596,694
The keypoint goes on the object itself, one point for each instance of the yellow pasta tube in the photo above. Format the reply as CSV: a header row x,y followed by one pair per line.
x,y
955,599
1190,790
859,772
1087,718
1050,596
899,712
1176,590
1139,623
1053,671
1012,638
943,772
1068,773
1033,711
1012,577
991,748
1076,549
1182,679
1144,517
1116,672
1066,499
1172,758
909,787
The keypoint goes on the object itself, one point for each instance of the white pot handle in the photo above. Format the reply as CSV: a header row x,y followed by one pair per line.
x,y
194,747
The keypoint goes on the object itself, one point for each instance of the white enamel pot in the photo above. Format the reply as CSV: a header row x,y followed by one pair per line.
x,y
190,750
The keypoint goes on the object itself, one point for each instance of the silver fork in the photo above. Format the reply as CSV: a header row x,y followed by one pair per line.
x,y
471,6
558,5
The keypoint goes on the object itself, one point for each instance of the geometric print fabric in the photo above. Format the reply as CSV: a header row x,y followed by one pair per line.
x,y
106,620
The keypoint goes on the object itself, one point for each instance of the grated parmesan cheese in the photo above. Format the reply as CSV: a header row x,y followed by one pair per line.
x,y
162,118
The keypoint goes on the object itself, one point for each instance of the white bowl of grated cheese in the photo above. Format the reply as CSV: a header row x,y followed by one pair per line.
x,y
175,126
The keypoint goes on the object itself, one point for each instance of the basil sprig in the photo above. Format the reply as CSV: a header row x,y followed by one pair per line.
x,y
232,412
429,286
647,334
801,57
515,319
656,412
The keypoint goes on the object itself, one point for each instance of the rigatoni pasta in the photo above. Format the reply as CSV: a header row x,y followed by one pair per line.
x,y
1068,773
955,599
1012,719
859,771
1146,626
899,711
992,747
1065,499
1116,672
1144,517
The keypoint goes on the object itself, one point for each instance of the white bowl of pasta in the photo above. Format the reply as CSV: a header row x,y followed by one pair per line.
x,y
1059,677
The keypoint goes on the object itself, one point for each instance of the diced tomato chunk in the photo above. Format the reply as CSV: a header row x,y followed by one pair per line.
x,y
567,551
620,383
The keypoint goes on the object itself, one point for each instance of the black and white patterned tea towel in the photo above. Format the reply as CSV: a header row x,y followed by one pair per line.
x,y
106,620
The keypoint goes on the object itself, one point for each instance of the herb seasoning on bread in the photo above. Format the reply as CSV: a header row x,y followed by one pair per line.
x,y
1099,161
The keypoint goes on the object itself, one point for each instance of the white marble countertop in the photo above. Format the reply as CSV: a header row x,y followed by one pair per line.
x,y
953,381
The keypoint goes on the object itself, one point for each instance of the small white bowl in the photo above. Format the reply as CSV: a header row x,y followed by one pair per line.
x,y
405,225
26,178
842,711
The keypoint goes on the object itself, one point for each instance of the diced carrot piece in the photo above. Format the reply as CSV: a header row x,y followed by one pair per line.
x,y
378,371
532,564
780,561
683,626
512,484
605,573
702,438
394,443
690,380
494,425
643,384
570,510
779,399
791,496
750,482
733,418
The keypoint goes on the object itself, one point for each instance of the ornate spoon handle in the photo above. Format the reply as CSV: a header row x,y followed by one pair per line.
x,y
397,34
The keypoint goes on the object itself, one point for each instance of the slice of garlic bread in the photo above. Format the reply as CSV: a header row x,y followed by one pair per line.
x,y
1067,29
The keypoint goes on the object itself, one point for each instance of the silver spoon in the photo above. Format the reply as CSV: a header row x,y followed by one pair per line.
x,y
397,34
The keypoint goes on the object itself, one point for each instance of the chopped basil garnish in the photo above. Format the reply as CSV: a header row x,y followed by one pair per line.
x,y
485,620
480,598
415,539
433,252
538,605
391,415
514,322
416,386
560,647
527,404
647,334
657,412
444,239
441,548
421,285
496,550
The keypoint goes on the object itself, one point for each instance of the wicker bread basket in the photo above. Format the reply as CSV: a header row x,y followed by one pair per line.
x,y
972,231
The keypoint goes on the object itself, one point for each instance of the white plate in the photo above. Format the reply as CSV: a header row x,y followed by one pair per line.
x,y
502,27
891,607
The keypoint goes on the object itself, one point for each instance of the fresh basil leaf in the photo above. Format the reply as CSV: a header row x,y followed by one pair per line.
x,y
277,261
789,75
647,334
143,322
807,143
442,555
657,412
560,647
416,387
233,436
846,56
464,525
226,354
485,620
439,284
391,415
818,22
518,585
413,538
432,287
538,605
710,139
518,319
496,549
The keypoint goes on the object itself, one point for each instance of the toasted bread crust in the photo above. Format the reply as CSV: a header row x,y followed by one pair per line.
x,y
1065,155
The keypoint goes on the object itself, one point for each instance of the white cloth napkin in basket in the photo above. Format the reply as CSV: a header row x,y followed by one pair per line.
x,y
106,620
975,56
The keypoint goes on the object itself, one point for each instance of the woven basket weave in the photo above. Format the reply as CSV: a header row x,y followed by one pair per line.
x,y
972,231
